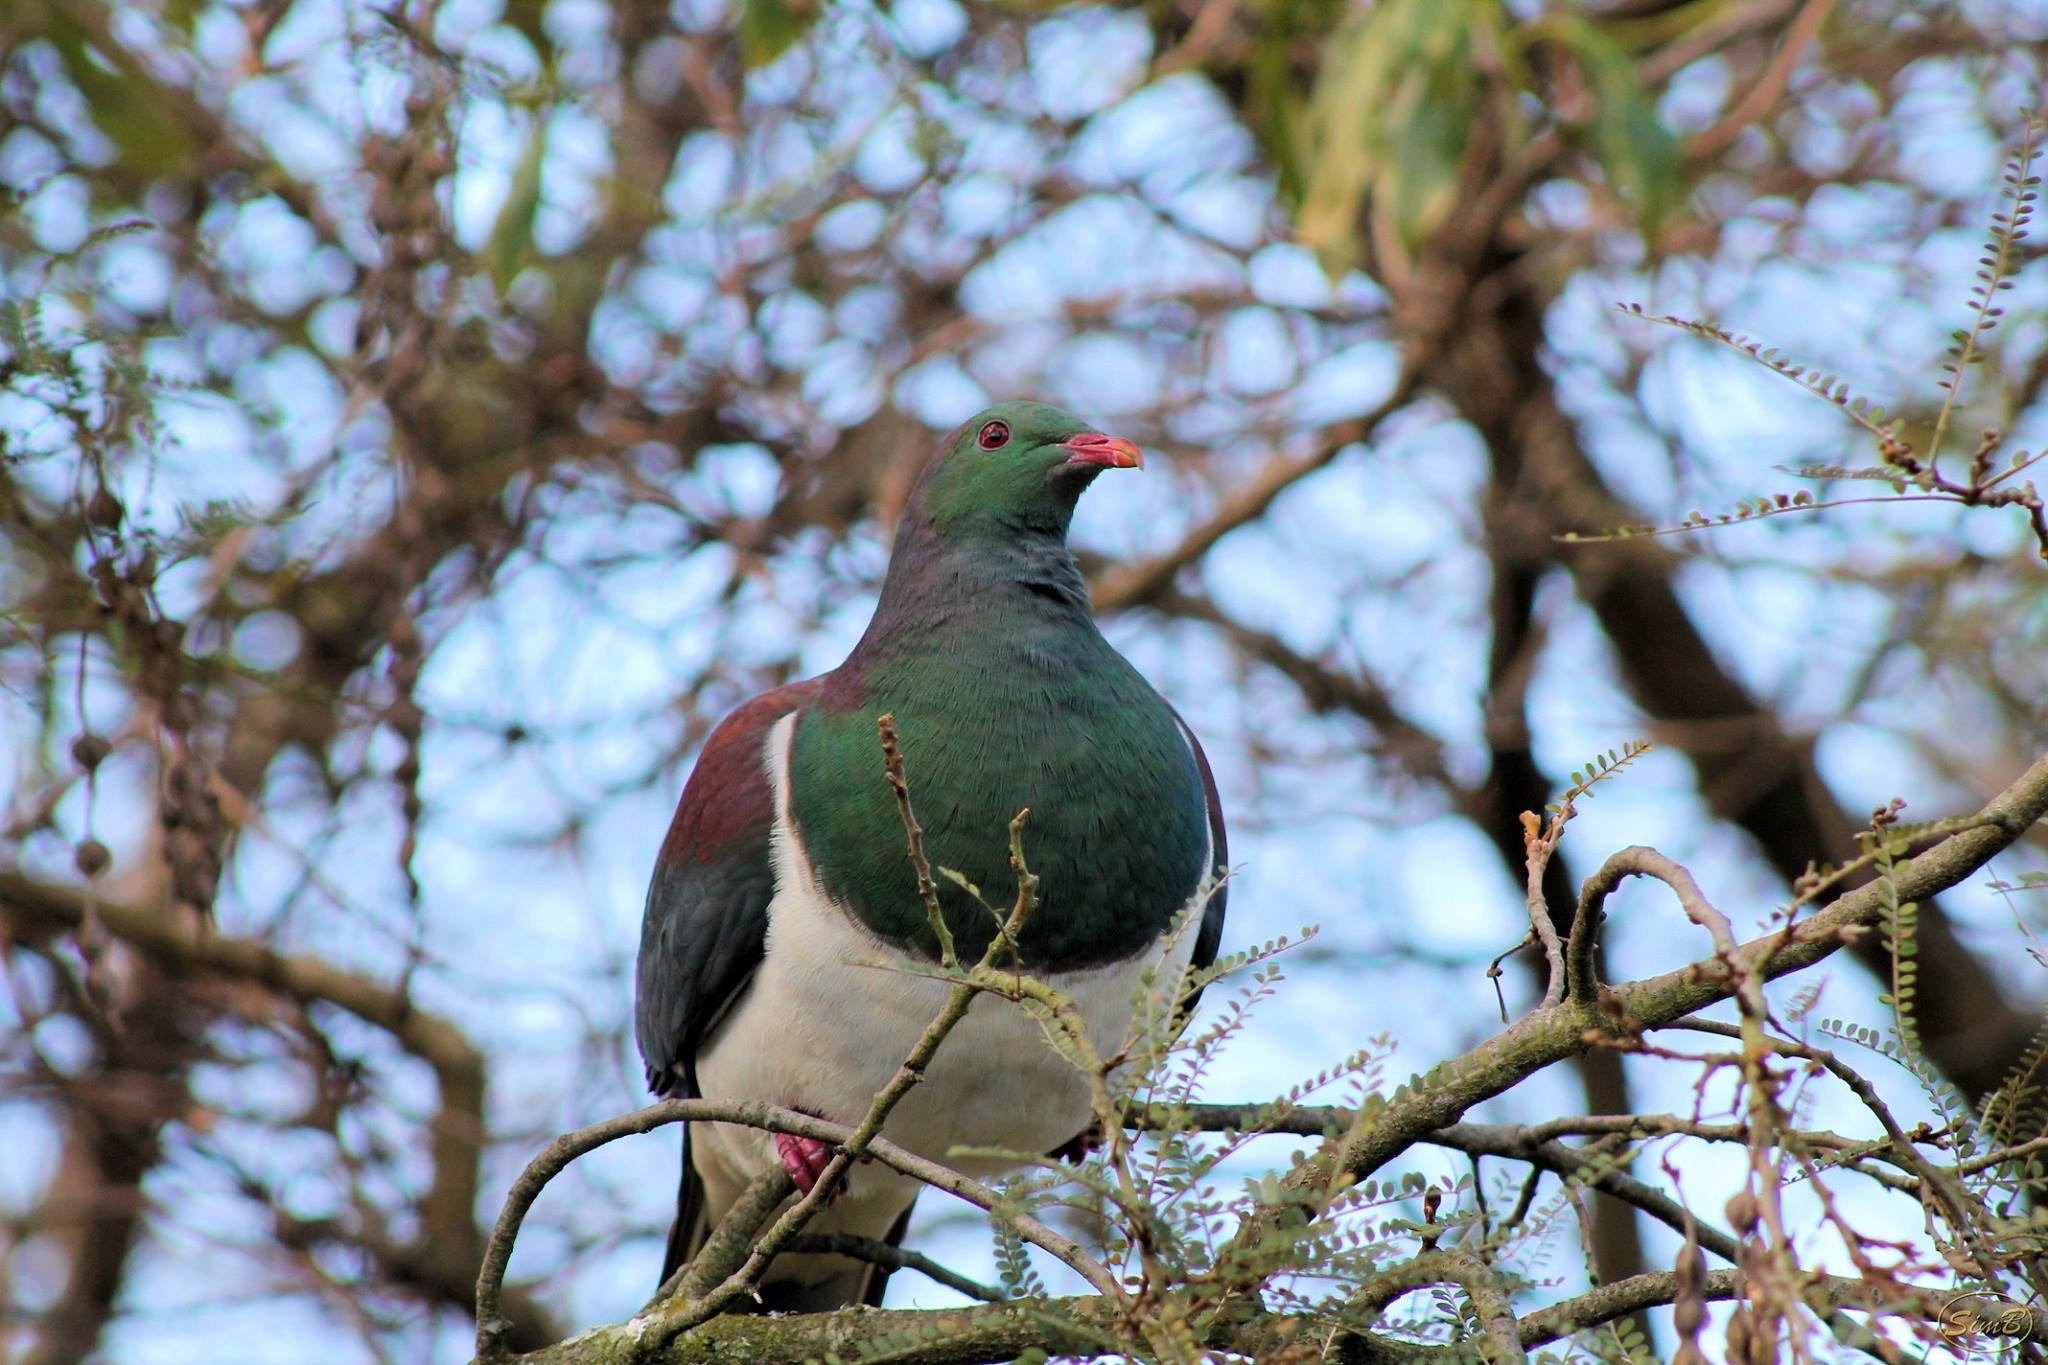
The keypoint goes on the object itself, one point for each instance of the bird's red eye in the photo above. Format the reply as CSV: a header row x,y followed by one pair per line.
x,y
995,435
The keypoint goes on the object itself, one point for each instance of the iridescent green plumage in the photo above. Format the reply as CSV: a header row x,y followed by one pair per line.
x,y
1005,695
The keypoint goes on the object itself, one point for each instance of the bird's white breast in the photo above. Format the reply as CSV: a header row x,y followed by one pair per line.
x,y
830,1015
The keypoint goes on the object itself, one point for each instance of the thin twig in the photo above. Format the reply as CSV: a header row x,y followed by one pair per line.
x,y
552,1160
1768,87
1539,845
913,834
1482,1284
878,1252
1588,1167
1638,861
725,1250
1934,1182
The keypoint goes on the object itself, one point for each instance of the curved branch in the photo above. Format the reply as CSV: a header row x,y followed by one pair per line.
x,y
1483,1287
1636,861
878,1252
1551,1034
557,1155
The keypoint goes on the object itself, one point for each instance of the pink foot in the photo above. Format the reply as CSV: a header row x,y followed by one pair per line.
x,y
804,1158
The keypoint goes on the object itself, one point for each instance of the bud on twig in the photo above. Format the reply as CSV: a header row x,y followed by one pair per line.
x,y
89,749
92,857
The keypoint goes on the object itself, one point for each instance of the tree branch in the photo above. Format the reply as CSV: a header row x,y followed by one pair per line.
x,y
441,1259
1635,861
557,1155
1082,1327
1483,1287
1132,584
878,1252
1549,1035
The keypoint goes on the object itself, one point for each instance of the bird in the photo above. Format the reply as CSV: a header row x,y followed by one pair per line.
x,y
784,877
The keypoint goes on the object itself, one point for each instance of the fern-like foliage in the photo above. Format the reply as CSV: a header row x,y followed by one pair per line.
x,y
2018,1109
1913,471
1597,770
1991,1162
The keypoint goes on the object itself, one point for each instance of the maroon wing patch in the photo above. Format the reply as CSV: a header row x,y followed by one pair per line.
x,y
706,922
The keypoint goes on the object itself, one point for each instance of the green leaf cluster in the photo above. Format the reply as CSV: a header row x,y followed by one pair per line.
x,y
1388,138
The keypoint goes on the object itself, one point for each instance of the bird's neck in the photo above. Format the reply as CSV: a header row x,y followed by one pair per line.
x,y
1004,697
940,590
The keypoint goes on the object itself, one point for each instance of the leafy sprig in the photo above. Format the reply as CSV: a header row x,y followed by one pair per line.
x,y
1912,470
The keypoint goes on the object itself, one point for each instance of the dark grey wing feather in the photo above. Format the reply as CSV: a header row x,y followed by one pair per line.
x,y
706,922
706,925
1209,934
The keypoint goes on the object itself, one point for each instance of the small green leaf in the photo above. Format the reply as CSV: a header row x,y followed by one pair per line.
x,y
1389,120
769,28
511,241
1639,155
148,133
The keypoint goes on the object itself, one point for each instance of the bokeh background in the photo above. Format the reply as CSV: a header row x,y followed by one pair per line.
x,y
420,423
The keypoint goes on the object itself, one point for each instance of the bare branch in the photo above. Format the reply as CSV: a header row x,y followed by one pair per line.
x,y
557,1156
1131,584
1483,1287
1553,1033
1636,861
880,1253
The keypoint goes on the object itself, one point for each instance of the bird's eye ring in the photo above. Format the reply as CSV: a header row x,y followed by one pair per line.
x,y
994,435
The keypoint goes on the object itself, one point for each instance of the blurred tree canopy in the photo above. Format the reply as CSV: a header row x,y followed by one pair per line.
x,y
420,422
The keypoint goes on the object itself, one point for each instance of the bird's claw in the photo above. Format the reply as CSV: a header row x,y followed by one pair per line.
x,y
804,1158
1078,1148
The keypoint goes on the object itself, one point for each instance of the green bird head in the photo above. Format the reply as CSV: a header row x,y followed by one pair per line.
x,y
1017,467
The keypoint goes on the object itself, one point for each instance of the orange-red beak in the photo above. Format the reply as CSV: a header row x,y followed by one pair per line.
x,y
1092,447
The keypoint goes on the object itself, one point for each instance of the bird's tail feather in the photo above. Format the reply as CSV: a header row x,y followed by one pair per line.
x,y
687,1234
859,1283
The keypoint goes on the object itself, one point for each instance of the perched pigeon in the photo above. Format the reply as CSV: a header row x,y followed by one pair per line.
x,y
784,876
